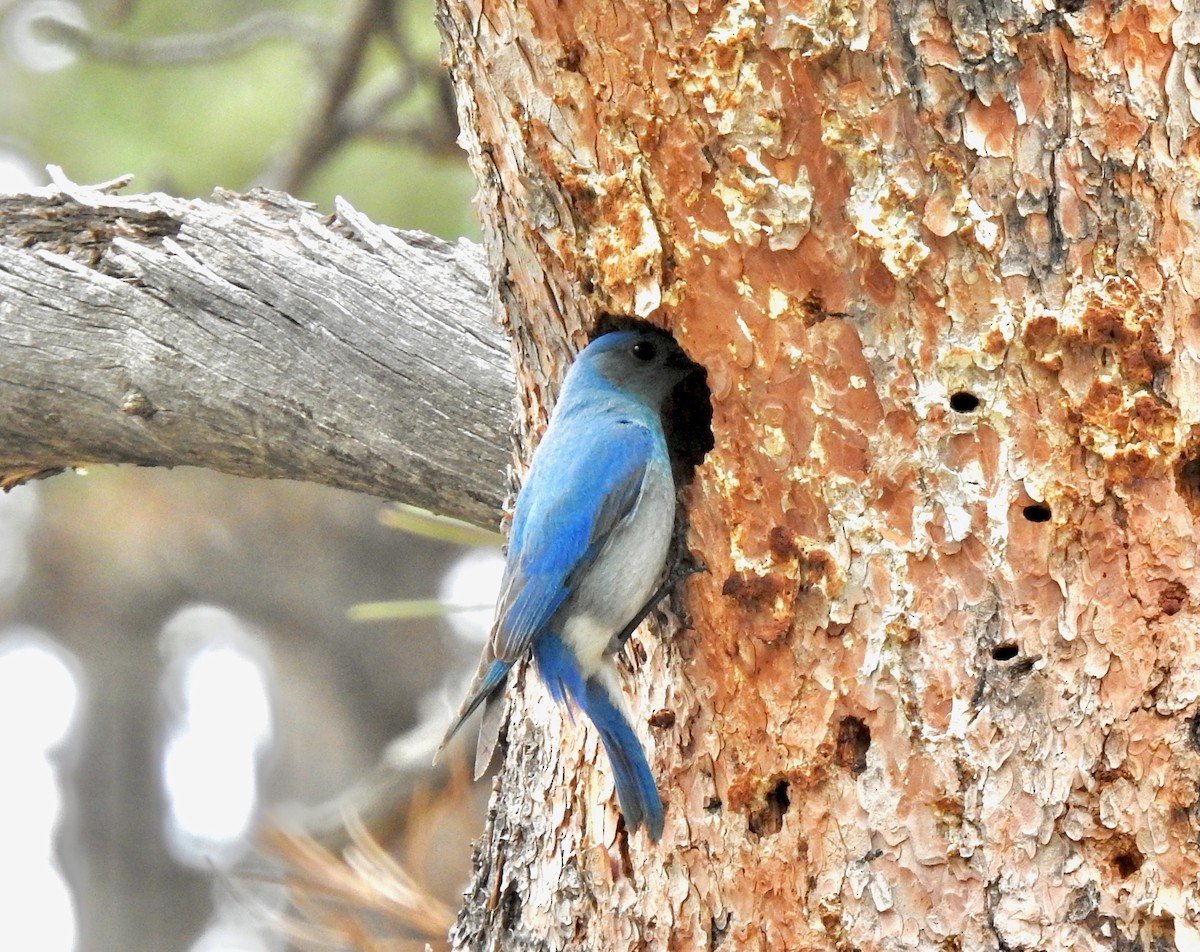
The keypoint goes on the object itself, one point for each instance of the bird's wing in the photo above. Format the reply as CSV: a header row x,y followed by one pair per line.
x,y
576,493
580,492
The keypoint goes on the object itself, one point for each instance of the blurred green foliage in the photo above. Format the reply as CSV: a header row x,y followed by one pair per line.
x,y
228,120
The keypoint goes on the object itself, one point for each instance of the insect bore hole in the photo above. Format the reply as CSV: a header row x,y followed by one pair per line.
x,y
1037,512
1005,652
964,402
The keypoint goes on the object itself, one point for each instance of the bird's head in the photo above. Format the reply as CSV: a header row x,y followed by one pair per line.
x,y
646,363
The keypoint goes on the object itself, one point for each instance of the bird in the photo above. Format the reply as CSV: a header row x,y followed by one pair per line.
x,y
591,531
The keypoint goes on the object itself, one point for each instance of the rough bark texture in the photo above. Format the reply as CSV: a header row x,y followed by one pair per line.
x,y
940,686
253,336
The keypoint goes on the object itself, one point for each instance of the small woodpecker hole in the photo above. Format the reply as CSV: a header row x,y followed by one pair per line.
x,y
853,742
964,402
767,818
1038,512
1193,731
1187,478
662,719
1005,652
1126,864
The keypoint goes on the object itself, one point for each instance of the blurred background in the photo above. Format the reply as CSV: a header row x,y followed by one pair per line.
x,y
178,660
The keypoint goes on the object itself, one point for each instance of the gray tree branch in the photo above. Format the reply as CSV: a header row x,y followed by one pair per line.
x,y
251,335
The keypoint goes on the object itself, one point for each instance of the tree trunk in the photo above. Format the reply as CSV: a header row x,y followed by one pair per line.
x,y
938,687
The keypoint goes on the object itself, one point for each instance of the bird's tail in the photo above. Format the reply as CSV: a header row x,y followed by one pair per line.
x,y
636,791
597,698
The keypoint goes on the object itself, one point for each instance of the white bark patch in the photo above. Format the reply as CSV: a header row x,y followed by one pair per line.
x,y
624,245
760,203
881,202
818,27
1183,76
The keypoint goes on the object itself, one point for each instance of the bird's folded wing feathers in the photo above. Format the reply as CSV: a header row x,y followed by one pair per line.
x,y
577,501
575,495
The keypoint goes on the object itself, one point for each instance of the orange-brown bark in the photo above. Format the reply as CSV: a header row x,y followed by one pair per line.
x,y
941,686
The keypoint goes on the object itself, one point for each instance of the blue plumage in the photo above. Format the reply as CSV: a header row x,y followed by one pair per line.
x,y
590,534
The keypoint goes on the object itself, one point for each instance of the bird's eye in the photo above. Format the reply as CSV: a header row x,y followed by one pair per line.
x,y
644,350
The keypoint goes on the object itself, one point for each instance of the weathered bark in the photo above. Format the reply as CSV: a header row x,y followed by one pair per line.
x,y
940,686
250,335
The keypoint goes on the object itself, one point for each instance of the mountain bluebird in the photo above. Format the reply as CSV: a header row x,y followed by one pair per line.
x,y
590,534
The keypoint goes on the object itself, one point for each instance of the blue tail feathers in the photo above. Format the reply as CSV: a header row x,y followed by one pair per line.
x,y
636,791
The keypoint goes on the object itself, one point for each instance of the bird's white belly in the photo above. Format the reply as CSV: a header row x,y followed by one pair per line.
x,y
587,637
623,577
